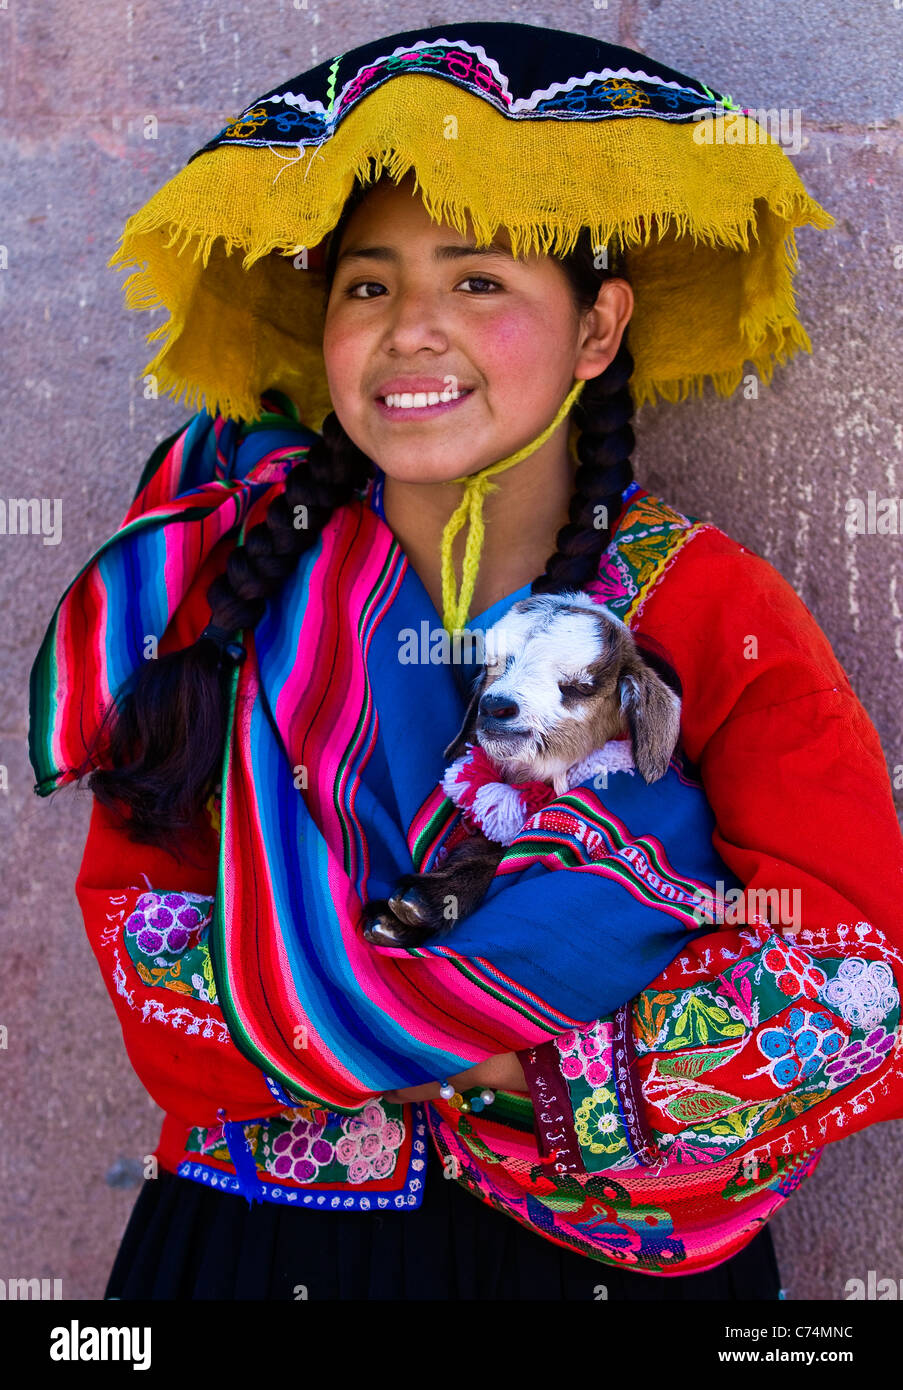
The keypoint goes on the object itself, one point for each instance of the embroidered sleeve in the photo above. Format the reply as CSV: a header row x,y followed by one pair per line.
x,y
152,946
792,766
784,1044
757,1038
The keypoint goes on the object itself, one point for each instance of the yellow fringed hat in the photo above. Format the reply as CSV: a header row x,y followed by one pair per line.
x,y
538,131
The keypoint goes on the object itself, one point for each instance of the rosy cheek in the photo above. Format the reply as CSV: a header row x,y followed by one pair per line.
x,y
510,340
341,354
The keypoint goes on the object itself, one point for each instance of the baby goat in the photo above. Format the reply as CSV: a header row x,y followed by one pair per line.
x,y
562,679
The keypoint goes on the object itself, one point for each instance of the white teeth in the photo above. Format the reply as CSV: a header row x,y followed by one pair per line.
x,y
407,400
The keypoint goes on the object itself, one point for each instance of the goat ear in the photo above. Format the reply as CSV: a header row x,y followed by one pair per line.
x,y
652,712
467,732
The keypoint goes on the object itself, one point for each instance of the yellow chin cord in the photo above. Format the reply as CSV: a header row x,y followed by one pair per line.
x,y
476,486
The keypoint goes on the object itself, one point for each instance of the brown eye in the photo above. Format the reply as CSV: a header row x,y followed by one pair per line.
x,y
577,688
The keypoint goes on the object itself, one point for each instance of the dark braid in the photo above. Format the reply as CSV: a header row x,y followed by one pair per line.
x,y
333,471
603,413
604,446
166,729
174,715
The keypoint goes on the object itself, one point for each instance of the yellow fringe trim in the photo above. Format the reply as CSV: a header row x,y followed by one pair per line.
x,y
476,485
706,231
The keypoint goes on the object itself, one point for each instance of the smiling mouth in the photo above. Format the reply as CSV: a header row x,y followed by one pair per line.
x,y
420,405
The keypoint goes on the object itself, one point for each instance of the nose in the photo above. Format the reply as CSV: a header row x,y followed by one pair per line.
x,y
415,322
498,706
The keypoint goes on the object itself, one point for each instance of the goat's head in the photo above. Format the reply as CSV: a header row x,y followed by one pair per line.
x,y
563,676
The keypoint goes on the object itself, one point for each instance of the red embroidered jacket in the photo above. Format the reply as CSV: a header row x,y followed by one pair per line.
x,y
702,1102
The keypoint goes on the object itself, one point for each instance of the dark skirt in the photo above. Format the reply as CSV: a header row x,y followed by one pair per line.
x,y
187,1241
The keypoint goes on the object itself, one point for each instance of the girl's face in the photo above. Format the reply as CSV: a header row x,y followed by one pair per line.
x,y
415,309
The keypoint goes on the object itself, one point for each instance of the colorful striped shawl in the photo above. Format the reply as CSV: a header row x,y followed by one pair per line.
x,y
331,790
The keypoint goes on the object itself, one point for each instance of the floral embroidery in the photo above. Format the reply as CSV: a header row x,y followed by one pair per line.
x,y
800,1046
647,543
649,1016
300,1152
320,108
239,130
586,1055
165,937
168,923
598,1123
735,991
680,1151
797,973
771,1173
369,1143
296,1162
613,580
622,93
211,1142
702,1020
862,991
694,1047
860,1057
293,1148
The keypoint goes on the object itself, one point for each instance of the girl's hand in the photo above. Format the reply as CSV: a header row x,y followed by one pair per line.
x,y
501,1073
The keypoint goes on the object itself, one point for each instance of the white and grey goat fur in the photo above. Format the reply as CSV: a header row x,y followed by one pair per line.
x,y
562,678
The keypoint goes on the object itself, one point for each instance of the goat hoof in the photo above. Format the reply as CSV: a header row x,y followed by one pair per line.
x,y
410,906
382,928
378,933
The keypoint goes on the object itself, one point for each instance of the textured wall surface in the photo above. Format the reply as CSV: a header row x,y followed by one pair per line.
x,y
76,85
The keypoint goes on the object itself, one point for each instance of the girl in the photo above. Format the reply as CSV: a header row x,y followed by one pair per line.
x,y
639,1089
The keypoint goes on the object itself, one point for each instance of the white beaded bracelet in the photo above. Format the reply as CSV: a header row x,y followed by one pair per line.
x,y
457,1101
